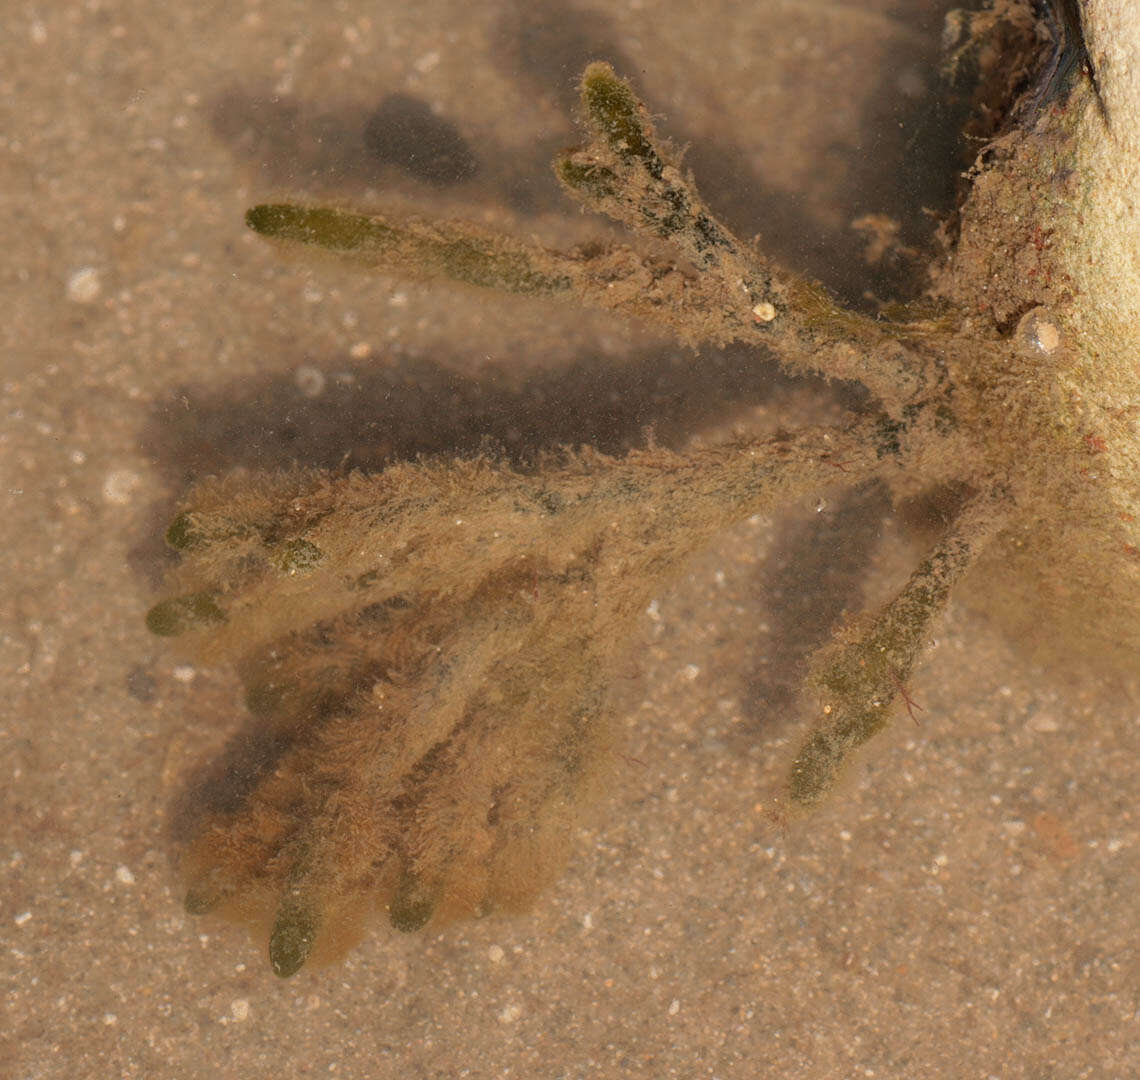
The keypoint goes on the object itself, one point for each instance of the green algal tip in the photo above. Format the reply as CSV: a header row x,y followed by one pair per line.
x,y
292,938
326,227
181,533
593,180
191,530
169,618
451,250
862,683
615,112
863,679
411,907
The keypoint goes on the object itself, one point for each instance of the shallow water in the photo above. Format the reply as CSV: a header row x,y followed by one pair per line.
x,y
962,908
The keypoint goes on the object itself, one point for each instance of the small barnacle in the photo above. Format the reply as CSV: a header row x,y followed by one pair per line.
x,y
1037,332
435,693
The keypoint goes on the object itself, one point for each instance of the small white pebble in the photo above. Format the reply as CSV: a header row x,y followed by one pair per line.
x,y
360,351
510,1014
674,1007
184,673
764,312
110,1019
1043,722
428,62
124,876
119,486
398,299
587,921
22,918
38,33
84,286
239,1009
495,954
78,457
690,672
76,857
310,381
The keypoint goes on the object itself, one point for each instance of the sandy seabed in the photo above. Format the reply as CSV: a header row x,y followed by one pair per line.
x,y
963,908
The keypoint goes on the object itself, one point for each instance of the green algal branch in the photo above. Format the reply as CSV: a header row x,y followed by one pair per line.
x,y
859,680
719,290
671,501
426,649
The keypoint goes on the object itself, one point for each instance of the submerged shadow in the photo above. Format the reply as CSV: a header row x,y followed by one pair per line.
x,y
812,578
904,170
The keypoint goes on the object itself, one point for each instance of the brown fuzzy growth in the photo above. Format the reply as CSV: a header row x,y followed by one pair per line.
x,y
432,647
427,650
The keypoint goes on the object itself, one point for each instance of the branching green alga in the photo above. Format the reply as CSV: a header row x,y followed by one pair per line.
x,y
429,647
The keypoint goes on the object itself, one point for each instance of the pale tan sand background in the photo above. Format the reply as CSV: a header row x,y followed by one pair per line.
x,y
966,907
